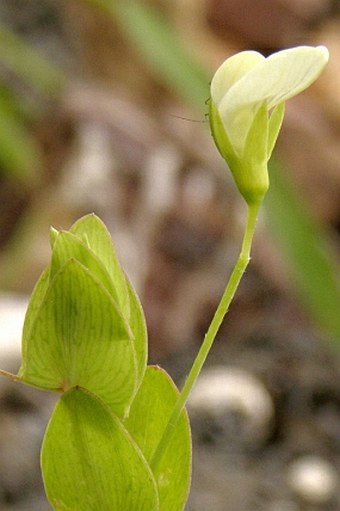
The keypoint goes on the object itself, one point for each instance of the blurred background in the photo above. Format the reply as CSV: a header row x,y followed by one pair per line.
x,y
103,108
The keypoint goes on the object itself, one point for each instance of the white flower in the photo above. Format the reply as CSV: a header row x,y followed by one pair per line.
x,y
248,92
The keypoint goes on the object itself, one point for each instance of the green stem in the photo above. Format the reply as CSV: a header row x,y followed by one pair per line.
x,y
209,338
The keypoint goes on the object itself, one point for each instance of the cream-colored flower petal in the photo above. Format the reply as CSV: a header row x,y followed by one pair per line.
x,y
276,79
281,76
231,71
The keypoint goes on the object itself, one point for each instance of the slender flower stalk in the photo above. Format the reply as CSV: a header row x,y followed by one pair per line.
x,y
214,327
246,110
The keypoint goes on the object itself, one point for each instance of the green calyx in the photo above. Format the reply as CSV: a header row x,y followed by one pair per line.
x,y
249,169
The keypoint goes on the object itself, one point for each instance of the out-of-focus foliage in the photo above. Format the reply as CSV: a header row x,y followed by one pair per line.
x,y
149,32
304,243
18,56
156,40
19,154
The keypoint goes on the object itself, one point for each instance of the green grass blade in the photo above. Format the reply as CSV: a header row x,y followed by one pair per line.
x,y
304,244
19,154
157,42
27,63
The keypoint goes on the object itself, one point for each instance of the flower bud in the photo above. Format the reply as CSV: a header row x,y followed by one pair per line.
x,y
248,94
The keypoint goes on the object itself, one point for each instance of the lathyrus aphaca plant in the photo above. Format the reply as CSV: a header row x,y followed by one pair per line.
x,y
119,437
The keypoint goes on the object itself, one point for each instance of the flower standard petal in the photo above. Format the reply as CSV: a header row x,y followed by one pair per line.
x,y
231,71
276,79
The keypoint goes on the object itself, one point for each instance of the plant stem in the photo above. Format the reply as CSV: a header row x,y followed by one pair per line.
x,y
10,376
209,338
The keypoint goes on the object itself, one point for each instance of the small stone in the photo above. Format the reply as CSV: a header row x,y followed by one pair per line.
x,y
313,478
283,506
221,391
12,314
